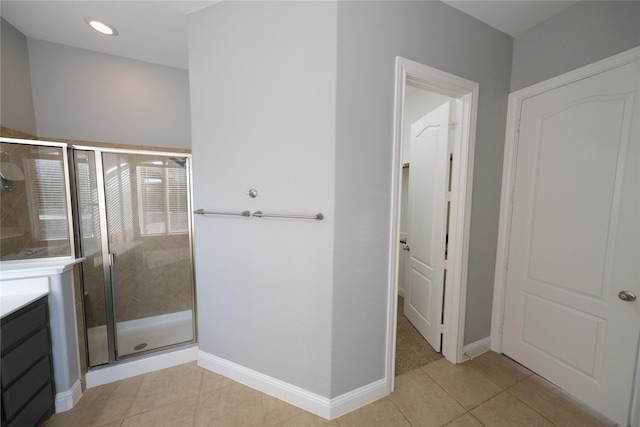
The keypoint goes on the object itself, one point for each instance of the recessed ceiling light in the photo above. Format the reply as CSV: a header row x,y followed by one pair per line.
x,y
101,26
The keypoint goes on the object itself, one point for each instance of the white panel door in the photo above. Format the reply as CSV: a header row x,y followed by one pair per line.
x,y
427,210
575,238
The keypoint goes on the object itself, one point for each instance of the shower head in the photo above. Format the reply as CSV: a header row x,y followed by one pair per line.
x,y
180,162
5,184
9,173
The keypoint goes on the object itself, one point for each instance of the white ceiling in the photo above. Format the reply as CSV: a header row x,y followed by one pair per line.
x,y
156,31
512,17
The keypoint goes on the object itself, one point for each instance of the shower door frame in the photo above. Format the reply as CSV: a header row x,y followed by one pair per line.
x,y
108,259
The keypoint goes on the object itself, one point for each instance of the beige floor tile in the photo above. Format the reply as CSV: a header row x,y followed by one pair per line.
x,y
467,420
467,385
499,369
104,404
212,381
235,405
112,424
422,401
56,420
307,419
180,414
167,386
555,404
382,413
64,420
277,411
504,410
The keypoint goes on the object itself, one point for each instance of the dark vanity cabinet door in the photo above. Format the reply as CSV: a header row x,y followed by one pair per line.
x,y
28,388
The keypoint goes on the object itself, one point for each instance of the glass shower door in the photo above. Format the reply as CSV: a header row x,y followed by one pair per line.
x,y
96,296
147,208
133,216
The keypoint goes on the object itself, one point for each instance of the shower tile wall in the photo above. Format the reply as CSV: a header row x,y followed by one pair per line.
x,y
151,281
15,214
14,218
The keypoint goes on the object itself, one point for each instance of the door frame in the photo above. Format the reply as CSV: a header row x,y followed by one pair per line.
x,y
447,84
508,186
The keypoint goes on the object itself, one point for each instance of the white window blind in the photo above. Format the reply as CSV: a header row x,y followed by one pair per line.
x,y
120,209
47,199
87,194
177,195
162,198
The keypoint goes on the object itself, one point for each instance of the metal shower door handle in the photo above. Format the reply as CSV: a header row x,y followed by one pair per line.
x,y
627,296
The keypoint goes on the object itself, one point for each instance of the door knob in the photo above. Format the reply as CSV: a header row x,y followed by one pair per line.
x,y
406,248
627,296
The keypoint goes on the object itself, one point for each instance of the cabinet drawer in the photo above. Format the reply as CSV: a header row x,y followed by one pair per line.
x,y
39,409
26,387
15,330
24,356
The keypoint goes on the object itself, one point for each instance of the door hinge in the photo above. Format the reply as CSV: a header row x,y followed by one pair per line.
x,y
444,264
453,125
441,328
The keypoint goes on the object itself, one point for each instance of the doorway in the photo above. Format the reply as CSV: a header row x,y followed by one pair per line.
x,y
134,229
410,77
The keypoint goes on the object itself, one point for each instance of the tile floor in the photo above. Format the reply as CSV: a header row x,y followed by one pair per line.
x,y
490,390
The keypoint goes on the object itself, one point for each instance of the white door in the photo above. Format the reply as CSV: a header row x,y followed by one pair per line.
x,y
427,214
575,238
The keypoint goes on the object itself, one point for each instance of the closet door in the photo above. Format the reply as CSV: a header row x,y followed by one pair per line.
x,y
427,222
573,271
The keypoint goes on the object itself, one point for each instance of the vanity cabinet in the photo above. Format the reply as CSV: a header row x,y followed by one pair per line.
x,y
28,385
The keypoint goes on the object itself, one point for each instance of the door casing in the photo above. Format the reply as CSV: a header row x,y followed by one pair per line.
x,y
447,84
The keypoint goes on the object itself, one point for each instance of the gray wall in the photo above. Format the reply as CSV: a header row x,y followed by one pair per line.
x,y
263,106
16,110
370,35
584,33
84,95
296,99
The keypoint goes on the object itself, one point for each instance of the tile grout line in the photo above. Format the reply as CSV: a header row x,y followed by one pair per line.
x,y
402,413
460,403
525,403
195,411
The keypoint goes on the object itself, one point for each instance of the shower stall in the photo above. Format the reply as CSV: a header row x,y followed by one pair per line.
x,y
133,226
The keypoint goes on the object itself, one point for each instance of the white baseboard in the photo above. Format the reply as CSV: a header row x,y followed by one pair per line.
x,y
358,398
311,402
475,349
120,371
67,399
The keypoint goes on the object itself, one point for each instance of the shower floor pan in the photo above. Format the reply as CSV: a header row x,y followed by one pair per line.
x,y
135,336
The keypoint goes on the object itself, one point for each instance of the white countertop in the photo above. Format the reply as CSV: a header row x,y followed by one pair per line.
x,y
24,281
22,269
15,294
12,303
